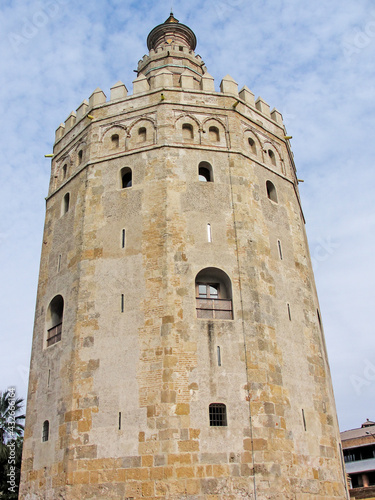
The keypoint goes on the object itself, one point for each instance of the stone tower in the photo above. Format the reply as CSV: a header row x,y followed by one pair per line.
x,y
178,350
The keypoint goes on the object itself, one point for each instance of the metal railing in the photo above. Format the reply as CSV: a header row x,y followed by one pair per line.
x,y
54,334
214,308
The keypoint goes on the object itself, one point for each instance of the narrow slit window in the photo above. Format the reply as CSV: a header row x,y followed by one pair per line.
x,y
49,378
280,251
65,203
218,415
218,356
122,302
80,156
319,319
45,431
123,238
303,418
119,420
59,263
289,313
64,171
209,235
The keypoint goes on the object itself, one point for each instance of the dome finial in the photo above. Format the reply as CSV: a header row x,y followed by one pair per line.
x,y
171,18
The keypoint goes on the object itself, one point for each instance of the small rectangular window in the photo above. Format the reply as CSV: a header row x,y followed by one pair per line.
x,y
280,251
122,302
218,415
123,238
119,420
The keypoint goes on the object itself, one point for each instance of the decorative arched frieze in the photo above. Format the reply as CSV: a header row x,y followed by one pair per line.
x,y
142,132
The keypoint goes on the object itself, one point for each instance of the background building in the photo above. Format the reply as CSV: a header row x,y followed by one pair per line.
x,y
359,455
178,349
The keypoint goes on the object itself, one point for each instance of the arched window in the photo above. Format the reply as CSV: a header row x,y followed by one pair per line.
x,y
218,415
252,145
80,156
65,204
55,315
214,134
271,191
213,294
142,134
64,171
272,156
187,131
45,431
205,172
126,178
115,141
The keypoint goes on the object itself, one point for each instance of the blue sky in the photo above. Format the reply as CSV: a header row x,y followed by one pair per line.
x,y
312,61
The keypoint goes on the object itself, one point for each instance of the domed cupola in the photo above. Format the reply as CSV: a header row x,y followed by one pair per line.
x,y
171,32
171,57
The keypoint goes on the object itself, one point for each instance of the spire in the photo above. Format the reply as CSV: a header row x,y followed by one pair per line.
x,y
171,32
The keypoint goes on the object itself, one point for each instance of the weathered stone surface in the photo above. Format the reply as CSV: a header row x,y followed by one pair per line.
x,y
127,389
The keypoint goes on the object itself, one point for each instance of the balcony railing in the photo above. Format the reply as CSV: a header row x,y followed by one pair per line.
x,y
214,308
54,335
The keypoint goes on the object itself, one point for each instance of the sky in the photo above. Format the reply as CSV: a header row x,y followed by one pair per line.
x,y
313,61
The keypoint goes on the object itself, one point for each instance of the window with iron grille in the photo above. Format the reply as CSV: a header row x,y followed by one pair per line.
x,y
218,415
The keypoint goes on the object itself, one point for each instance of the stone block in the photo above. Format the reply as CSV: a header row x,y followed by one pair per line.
x,y
188,445
70,121
208,83
185,472
140,85
263,107
118,91
82,110
187,80
246,95
182,409
163,78
277,116
97,97
229,86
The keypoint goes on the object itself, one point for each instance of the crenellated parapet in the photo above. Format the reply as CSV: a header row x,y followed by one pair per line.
x,y
162,79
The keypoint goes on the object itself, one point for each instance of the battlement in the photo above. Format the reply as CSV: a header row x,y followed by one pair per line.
x,y
163,78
